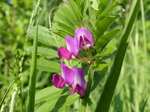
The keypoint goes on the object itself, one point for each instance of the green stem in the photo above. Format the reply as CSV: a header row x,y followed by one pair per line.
x,y
2,101
87,91
32,80
13,102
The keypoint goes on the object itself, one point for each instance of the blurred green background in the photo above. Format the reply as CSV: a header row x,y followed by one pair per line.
x,y
133,88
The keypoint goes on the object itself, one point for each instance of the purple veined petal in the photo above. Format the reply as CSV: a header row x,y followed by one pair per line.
x,y
58,81
64,53
72,45
79,78
84,38
78,90
67,74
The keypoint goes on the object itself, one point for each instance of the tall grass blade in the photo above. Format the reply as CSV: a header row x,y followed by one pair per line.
x,y
32,80
110,85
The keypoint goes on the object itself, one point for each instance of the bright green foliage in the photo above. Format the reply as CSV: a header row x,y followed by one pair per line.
x,y
44,35
108,90
43,51
58,104
47,94
46,65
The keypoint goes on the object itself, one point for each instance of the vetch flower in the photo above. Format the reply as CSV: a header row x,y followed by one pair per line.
x,y
71,51
73,77
84,38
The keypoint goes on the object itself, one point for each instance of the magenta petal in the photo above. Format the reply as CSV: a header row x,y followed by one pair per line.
x,y
84,38
78,90
72,45
58,81
67,74
79,78
64,53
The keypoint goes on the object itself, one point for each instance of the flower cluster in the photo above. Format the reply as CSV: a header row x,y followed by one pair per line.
x,y
73,77
83,40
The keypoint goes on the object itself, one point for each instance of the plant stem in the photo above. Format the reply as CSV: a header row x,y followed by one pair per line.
x,y
87,91
13,102
32,80
2,100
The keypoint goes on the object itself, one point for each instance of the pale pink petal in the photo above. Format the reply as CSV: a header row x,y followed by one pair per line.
x,y
58,81
78,90
67,74
72,45
64,53
79,78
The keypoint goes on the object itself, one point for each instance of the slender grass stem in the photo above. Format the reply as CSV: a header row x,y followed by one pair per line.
x,y
12,104
2,101
32,80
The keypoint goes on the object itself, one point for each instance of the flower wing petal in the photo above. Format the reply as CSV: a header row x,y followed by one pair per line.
x,y
64,53
58,81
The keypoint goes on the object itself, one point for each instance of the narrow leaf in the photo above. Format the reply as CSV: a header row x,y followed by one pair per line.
x,y
44,36
103,25
69,14
105,38
47,94
75,9
103,6
44,51
58,104
110,85
50,66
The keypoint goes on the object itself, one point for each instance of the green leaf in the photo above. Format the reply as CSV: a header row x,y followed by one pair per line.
x,y
84,6
50,66
102,26
103,6
47,94
107,52
59,17
69,14
144,105
105,38
110,85
44,51
106,12
100,66
66,29
44,36
58,104
75,9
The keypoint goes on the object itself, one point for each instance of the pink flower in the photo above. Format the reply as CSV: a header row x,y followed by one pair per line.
x,y
84,38
70,77
71,51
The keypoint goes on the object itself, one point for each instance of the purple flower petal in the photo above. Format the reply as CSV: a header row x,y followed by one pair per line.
x,y
58,81
78,90
84,38
67,74
64,53
72,45
79,78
